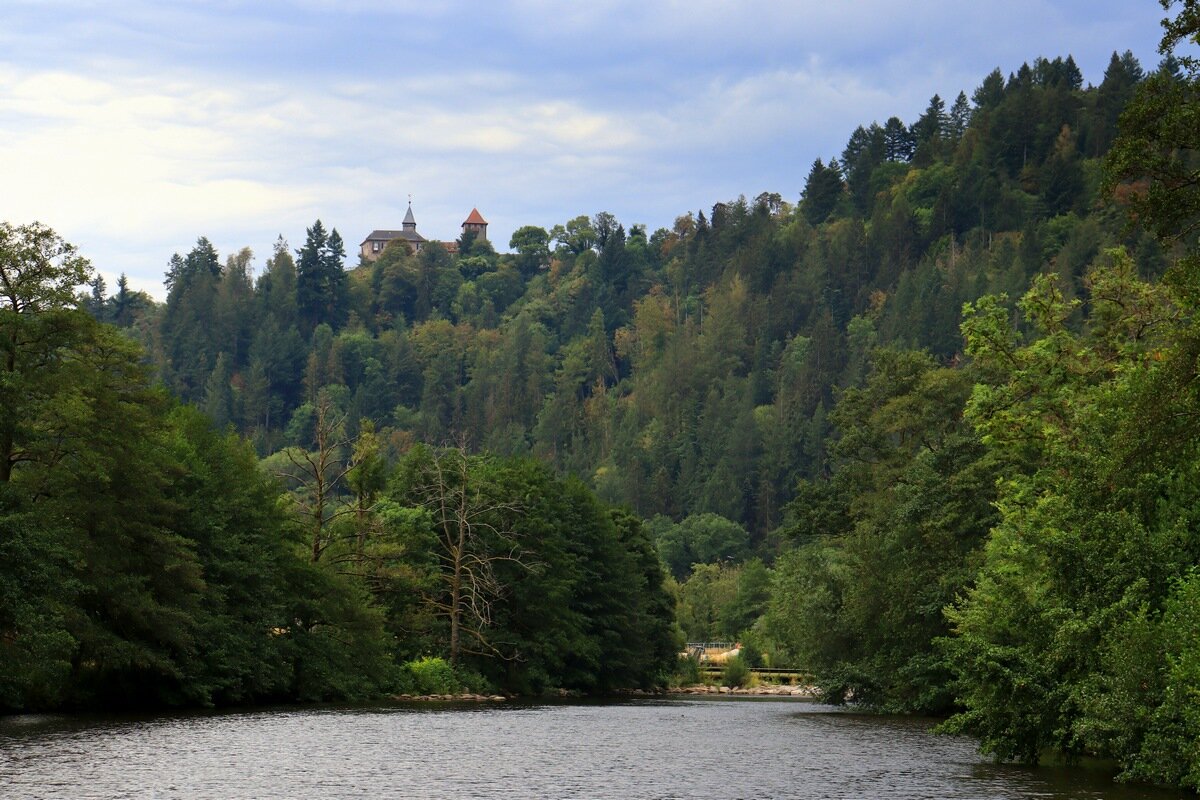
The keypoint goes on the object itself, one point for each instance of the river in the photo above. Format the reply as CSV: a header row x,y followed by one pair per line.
x,y
672,748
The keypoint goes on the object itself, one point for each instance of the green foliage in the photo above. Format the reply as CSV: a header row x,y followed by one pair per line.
x,y
429,675
736,672
321,292
701,539
1167,714
1058,646
687,671
530,580
148,561
889,541
822,190
686,372
851,450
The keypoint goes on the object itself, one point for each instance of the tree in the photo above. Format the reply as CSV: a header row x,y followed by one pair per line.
x,y
990,93
38,275
531,244
889,541
190,319
960,116
275,292
319,473
127,305
864,152
1121,78
234,307
473,537
576,236
95,304
822,190
933,123
1057,643
897,139
1152,167
702,539
218,394
321,293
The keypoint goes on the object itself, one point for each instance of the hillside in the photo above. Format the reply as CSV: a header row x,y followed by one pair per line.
x,y
678,371
927,432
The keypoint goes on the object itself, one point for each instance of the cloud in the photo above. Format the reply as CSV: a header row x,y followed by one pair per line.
x,y
134,127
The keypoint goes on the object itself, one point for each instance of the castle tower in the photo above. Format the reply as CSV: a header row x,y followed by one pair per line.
x,y
476,224
374,244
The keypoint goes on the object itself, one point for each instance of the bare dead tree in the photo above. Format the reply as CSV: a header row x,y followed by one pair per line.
x,y
474,534
319,472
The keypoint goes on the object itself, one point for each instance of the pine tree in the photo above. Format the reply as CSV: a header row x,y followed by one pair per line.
x,y
898,144
321,292
991,92
960,116
822,190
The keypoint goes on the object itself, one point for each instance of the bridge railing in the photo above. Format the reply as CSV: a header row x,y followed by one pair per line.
x,y
789,675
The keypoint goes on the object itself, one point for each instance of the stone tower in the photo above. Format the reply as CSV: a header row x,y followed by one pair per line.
x,y
474,223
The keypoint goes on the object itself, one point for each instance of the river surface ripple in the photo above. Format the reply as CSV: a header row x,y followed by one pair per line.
x,y
673,748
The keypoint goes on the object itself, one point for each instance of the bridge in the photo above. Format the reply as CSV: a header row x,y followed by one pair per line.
x,y
788,675
713,656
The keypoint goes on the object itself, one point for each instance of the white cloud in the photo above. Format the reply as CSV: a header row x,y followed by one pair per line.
x,y
132,128
162,160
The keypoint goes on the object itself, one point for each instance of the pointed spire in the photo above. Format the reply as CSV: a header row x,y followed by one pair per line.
x,y
410,222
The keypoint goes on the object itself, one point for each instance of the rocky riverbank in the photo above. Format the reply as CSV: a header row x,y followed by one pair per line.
x,y
762,690
466,697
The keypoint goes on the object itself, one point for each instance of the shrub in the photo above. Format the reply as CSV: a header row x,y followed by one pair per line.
x,y
737,672
687,671
431,676
752,655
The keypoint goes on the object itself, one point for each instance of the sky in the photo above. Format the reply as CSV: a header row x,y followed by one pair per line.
x,y
132,128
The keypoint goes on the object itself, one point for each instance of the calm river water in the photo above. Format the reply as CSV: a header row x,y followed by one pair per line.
x,y
685,748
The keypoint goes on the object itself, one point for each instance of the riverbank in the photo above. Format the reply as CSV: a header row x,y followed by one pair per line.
x,y
762,690
465,697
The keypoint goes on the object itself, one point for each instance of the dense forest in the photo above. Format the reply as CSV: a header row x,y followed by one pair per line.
x,y
929,432
150,559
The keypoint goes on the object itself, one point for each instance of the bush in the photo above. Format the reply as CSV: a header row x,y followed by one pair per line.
x,y
737,672
687,671
471,681
430,676
752,655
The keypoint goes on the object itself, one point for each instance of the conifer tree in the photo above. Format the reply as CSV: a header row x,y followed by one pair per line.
x,y
321,294
822,190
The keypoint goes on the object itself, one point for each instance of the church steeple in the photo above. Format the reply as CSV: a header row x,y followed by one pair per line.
x,y
410,222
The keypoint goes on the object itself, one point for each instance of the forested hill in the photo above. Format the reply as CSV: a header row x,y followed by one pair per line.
x,y
677,371
930,434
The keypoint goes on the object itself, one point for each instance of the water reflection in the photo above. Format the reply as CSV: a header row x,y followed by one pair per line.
x,y
694,747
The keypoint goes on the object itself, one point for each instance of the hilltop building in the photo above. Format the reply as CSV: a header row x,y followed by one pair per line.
x,y
377,240
475,223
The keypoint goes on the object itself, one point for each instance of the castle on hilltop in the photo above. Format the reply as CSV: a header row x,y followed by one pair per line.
x,y
373,245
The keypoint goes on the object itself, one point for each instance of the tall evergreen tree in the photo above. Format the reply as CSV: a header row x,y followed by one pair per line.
x,y
189,320
897,138
321,292
822,190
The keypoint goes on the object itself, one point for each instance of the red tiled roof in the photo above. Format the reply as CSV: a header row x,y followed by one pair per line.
x,y
475,218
